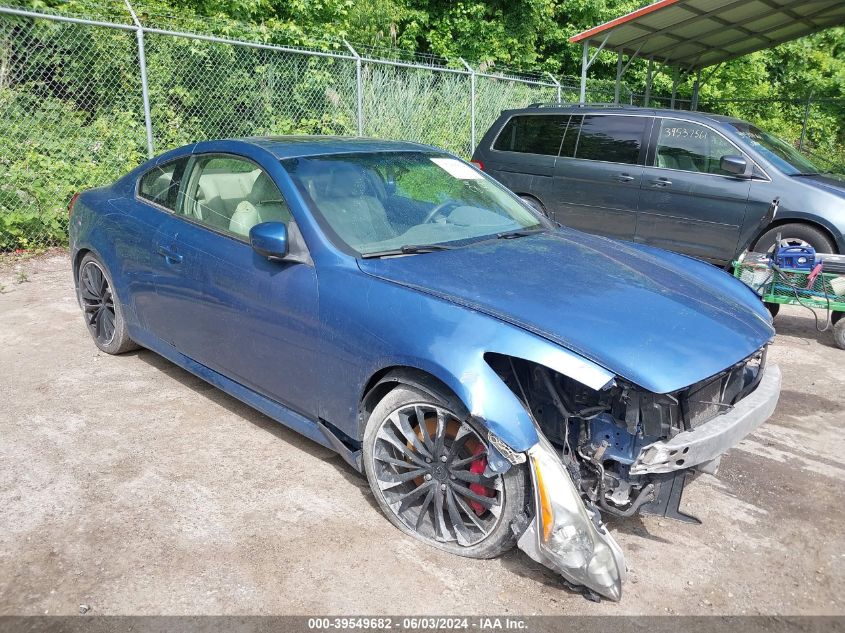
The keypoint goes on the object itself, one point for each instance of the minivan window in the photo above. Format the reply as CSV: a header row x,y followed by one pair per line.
x,y
533,134
616,139
691,147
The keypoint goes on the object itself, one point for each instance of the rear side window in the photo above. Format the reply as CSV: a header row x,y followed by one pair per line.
x,y
533,134
616,139
161,183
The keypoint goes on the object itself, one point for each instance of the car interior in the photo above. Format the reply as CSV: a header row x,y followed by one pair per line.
x,y
234,201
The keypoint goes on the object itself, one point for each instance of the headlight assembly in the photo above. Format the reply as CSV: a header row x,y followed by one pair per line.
x,y
563,535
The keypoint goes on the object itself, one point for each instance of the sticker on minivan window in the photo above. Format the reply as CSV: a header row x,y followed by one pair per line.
x,y
456,168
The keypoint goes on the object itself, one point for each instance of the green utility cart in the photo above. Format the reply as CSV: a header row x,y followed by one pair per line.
x,y
777,286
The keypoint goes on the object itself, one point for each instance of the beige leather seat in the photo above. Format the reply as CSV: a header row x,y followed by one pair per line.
x,y
263,204
356,215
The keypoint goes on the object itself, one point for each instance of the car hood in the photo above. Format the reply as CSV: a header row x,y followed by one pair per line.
x,y
662,321
829,182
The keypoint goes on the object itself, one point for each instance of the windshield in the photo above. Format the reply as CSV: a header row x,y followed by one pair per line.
x,y
785,157
383,201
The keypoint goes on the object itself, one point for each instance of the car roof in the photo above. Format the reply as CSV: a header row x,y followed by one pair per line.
x,y
300,146
621,109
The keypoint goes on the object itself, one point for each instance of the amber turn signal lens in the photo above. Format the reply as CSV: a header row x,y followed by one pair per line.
x,y
545,505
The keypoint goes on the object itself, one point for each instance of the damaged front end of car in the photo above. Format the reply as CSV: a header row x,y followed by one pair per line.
x,y
622,450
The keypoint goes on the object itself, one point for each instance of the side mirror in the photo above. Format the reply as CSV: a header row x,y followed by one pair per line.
x,y
270,240
736,165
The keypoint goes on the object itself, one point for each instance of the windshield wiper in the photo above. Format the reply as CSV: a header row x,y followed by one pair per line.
x,y
407,249
509,235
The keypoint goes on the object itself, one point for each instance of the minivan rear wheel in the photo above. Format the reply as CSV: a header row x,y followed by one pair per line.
x,y
535,204
794,234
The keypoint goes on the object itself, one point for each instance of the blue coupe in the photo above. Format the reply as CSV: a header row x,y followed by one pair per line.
x,y
497,378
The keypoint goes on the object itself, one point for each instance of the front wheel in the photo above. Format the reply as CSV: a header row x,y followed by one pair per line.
x,y
426,462
839,329
794,234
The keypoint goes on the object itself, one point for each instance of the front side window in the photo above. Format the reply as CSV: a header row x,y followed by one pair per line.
x,y
785,157
611,138
161,184
691,147
533,134
375,202
232,194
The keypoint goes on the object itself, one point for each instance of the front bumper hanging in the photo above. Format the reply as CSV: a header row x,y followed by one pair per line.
x,y
707,442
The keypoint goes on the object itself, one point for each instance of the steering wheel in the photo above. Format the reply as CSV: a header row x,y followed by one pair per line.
x,y
439,209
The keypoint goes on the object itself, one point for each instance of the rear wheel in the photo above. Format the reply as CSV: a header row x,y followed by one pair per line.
x,y
773,309
794,234
535,204
425,462
101,307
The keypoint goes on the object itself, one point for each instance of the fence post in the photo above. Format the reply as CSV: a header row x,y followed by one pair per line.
x,y
145,90
359,88
471,105
556,83
806,115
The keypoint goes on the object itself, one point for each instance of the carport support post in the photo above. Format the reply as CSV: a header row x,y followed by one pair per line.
x,y
806,116
359,89
675,79
471,105
618,77
584,65
648,78
145,90
695,88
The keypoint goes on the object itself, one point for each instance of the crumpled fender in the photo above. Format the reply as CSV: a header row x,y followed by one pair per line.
x,y
489,398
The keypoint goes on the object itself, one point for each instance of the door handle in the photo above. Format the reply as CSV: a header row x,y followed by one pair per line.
x,y
623,177
661,182
172,257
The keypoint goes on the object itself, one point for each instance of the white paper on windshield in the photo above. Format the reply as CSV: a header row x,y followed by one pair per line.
x,y
456,168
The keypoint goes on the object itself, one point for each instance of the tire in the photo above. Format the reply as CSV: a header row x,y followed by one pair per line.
x,y
535,204
794,233
101,307
839,331
471,523
773,309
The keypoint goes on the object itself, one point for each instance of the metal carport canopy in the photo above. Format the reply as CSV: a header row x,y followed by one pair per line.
x,y
692,34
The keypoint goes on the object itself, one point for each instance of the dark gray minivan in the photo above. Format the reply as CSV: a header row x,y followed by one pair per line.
x,y
690,182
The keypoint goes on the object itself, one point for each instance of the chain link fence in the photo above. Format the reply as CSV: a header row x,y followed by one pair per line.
x,y
82,102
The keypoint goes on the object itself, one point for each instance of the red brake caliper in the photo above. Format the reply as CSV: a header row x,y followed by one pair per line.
x,y
477,467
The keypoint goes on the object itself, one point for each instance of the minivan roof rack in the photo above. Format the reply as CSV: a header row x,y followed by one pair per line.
x,y
553,104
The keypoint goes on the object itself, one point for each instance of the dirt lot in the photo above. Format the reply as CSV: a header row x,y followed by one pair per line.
x,y
129,485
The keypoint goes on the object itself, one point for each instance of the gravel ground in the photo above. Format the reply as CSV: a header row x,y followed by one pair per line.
x,y
128,485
